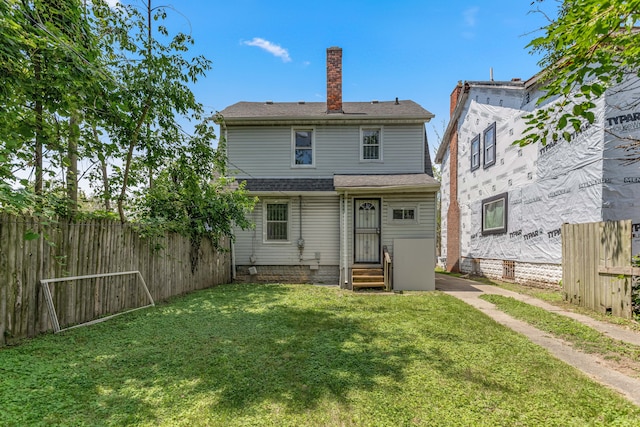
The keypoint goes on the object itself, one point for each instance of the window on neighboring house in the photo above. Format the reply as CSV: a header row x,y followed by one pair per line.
x,y
277,222
402,214
495,214
475,153
489,138
371,139
303,144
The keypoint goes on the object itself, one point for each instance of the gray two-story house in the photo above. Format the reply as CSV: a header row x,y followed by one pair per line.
x,y
342,187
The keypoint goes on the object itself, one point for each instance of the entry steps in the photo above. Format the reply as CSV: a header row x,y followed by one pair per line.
x,y
367,277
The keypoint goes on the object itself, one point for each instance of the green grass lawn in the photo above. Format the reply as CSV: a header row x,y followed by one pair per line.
x,y
256,355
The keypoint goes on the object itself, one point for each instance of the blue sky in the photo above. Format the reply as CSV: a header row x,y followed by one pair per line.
x,y
410,49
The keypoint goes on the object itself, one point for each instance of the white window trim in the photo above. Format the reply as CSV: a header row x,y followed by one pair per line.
x,y
380,145
416,214
264,221
313,146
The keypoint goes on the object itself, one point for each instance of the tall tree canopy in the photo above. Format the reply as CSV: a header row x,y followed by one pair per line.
x,y
590,46
100,92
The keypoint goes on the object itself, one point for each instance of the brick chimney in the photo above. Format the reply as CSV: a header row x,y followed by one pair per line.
x,y
334,80
454,97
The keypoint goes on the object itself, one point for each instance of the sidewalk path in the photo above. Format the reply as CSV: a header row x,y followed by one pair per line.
x,y
470,291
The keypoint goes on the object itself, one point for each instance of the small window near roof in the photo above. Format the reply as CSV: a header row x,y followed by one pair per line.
x,y
371,143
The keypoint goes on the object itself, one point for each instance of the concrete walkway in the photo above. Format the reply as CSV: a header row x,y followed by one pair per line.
x,y
470,291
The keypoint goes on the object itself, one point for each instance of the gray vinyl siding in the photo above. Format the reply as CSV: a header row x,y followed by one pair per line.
x,y
266,151
320,231
424,227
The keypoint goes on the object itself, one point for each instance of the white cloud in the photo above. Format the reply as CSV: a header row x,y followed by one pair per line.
x,y
270,47
470,15
111,3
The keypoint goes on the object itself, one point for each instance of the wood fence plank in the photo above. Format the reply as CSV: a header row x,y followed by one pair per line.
x,y
90,247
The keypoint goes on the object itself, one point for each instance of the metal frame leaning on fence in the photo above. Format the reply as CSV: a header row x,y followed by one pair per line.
x,y
52,309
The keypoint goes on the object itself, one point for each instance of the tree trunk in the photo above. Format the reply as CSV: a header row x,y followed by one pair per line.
x,y
127,165
103,168
72,169
37,76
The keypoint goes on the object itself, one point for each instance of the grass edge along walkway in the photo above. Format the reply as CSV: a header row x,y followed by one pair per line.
x,y
583,337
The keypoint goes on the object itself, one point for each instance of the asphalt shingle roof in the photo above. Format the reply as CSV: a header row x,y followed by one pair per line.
x,y
289,184
403,109
380,181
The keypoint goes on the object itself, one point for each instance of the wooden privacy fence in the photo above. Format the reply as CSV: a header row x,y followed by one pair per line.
x,y
597,270
168,265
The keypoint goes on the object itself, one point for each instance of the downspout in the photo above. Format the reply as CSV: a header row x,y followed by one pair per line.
x,y
300,239
340,268
344,240
233,260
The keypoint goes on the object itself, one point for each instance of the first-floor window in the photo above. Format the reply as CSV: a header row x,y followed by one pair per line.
x,y
402,214
494,214
277,222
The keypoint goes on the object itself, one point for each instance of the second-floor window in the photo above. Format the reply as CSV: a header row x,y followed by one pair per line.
x,y
475,153
303,147
489,137
371,144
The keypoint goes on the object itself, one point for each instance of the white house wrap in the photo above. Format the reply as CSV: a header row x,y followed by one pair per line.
x,y
536,188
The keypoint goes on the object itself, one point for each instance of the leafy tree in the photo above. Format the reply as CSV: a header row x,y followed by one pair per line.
x,y
590,46
193,195
83,81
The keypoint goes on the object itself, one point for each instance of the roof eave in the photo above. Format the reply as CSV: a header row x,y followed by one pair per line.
x,y
291,193
391,188
329,120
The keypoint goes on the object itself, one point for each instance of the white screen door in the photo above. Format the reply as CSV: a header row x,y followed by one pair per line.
x,y
367,231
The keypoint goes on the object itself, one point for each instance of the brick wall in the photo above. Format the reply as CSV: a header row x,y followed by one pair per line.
x,y
526,273
453,213
334,80
325,274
